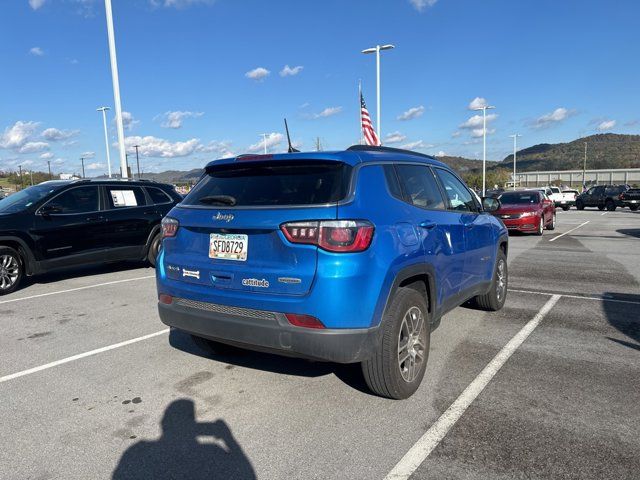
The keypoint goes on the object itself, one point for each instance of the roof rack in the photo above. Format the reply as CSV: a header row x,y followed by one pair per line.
x,y
371,148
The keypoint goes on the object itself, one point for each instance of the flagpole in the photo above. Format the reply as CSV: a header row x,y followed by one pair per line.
x,y
360,111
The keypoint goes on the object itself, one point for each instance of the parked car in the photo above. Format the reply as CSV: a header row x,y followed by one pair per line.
x,y
527,211
347,257
59,224
602,196
631,198
555,194
568,199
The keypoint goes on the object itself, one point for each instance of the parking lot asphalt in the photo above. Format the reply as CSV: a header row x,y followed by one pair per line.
x,y
80,402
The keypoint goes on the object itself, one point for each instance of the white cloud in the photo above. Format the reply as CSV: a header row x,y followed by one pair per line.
x,y
288,71
413,112
36,52
128,121
477,102
150,146
55,134
221,149
257,73
474,124
16,136
180,3
422,5
175,119
441,153
88,155
417,145
33,147
327,112
47,156
558,115
456,134
394,137
95,166
606,125
36,4
273,140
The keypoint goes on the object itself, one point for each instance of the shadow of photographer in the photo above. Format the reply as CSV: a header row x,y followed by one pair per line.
x,y
186,449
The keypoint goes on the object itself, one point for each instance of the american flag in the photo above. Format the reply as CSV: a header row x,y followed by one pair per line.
x,y
368,132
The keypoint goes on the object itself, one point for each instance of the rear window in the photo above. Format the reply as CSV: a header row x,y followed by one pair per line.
x,y
515,198
272,184
158,197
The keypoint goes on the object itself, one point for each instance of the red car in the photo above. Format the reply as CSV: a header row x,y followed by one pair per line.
x,y
527,211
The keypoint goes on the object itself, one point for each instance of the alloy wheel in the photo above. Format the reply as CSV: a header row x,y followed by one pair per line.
x,y
501,280
411,344
9,271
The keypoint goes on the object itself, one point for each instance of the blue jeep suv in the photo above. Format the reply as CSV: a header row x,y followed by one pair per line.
x,y
350,256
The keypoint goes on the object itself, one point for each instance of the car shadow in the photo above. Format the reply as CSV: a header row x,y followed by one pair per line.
x,y
624,317
83,271
632,232
186,449
350,374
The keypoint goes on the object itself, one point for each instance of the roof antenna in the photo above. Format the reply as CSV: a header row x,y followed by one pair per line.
x,y
291,149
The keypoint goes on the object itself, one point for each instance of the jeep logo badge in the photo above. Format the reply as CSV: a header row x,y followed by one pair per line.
x,y
227,217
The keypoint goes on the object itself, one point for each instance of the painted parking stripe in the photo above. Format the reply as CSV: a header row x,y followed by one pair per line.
x,y
115,282
430,440
569,231
598,298
23,373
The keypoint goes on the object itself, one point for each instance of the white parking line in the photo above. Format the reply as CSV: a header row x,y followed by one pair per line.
x,y
23,373
76,289
604,213
569,231
430,440
580,297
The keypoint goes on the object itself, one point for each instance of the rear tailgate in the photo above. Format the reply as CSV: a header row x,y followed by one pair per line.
x,y
241,246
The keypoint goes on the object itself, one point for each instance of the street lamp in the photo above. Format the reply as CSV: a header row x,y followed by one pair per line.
x,y
264,136
106,136
116,87
515,143
376,50
484,145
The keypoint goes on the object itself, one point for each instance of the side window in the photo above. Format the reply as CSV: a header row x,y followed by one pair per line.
x,y
419,187
125,196
591,191
77,200
459,196
392,181
158,197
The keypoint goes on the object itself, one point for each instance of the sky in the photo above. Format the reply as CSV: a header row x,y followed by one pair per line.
x,y
205,79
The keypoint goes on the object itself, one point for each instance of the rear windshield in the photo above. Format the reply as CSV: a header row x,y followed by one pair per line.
x,y
278,183
516,198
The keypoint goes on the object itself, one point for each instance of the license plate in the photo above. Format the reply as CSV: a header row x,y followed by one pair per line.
x,y
229,246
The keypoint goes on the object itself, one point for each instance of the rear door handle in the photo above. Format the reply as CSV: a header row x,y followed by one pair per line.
x,y
150,212
93,219
427,225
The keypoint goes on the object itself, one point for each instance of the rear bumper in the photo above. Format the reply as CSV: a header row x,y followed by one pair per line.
x,y
268,331
565,203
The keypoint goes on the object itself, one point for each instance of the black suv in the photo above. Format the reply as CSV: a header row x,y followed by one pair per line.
x,y
602,196
60,224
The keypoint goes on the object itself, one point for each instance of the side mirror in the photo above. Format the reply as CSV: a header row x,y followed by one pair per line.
x,y
490,204
50,209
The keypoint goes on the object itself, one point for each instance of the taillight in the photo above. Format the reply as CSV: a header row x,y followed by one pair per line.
x,y
165,299
169,227
331,235
306,321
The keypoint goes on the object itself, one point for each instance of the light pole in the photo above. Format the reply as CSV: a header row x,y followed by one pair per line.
x,y
49,165
264,137
116,87
377,50
515,149
137,159
82,161
584,169
21,183
484,145
106,136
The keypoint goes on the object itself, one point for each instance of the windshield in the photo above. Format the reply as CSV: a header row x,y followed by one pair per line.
x,y
272,184
519,198
18,201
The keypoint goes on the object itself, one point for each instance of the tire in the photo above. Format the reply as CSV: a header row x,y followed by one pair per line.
x,y
540,230
213,347
154,249
494,299
565,208
580,205
610,206
407,317
633,208
11,270
552,225
600,207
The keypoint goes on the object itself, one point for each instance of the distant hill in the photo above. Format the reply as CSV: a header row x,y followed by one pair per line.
x,y
606,150
463,165
175,176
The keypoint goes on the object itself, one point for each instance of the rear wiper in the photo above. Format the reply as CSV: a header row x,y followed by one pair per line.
x,y
220,199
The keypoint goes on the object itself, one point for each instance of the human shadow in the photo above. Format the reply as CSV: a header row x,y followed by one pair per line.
x,y
623,313
186,449
350,374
